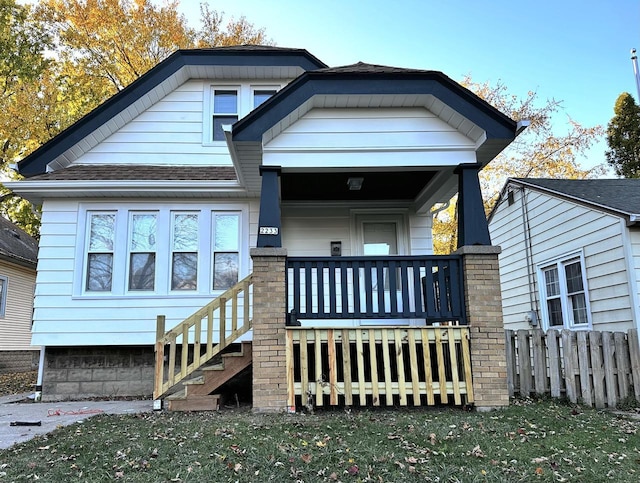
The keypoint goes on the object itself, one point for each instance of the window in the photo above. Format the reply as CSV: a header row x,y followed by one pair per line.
x,y
102,229
261,95
155,249
226,246
184,252
142,251
3,294
225,111
564,295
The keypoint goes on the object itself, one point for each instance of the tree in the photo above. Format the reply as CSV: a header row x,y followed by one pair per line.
x,y
623,137
538,152
237,32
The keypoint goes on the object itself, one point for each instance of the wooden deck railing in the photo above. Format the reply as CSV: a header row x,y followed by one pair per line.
x,y
195,339
598,369
378,366
378,287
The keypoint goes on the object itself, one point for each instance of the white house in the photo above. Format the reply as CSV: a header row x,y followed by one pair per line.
x,y
570,253
152,202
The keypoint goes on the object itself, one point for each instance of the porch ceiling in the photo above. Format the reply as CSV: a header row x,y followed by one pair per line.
x,y
386,186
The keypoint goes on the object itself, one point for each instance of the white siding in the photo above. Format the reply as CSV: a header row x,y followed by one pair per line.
x,y
62,318
308,231
369,137
560,228
15,326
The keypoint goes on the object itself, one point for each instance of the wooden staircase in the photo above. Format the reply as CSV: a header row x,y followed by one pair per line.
x,y
190,347
198,393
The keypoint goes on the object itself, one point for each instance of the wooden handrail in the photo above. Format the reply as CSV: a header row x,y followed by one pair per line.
x,y
188,336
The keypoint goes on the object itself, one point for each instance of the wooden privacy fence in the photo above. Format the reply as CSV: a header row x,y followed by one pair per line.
x,y
594,368
378,366
201,336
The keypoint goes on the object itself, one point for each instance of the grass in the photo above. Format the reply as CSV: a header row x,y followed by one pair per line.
x,y
529,441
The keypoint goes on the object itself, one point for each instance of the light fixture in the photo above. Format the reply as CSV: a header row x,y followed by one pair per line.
x,y
355,184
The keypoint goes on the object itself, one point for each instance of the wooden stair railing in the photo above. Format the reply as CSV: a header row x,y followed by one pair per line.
x,y
229,314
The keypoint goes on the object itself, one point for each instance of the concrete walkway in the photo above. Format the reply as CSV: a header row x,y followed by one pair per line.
x,y
14,409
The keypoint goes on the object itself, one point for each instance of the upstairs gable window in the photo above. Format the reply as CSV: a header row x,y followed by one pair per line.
x,y
261,95
225,111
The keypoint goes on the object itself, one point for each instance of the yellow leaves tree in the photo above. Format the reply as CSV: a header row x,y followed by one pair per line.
x,y
539,152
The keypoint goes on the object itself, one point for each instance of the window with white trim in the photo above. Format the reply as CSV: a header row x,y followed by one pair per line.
x,y
184,251
99,263
261,95
142,251
564,294
226,250
145,249
225,111
4,281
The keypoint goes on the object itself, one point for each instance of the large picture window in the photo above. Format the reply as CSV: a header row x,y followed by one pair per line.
x,y
102,231
564,294
144,249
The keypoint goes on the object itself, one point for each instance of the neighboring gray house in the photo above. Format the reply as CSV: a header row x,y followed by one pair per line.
x,y
18,256
570,253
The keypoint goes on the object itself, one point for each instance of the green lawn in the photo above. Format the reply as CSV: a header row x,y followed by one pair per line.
x,y
533,441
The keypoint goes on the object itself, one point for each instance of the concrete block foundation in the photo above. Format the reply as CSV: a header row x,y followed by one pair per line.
x,y
105,372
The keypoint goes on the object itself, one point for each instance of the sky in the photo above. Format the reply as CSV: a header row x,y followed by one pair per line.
x,y
577,52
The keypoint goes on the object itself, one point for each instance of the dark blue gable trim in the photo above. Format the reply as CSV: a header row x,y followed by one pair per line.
x,y
496,124
37,161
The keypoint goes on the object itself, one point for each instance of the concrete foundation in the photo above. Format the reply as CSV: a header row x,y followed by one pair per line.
x,y
86,372
19,361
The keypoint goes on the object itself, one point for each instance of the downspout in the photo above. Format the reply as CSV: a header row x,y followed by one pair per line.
x,y
532,316
38,393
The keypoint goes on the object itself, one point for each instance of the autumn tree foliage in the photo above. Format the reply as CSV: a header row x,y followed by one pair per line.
x,y
623,137
62,58
539,152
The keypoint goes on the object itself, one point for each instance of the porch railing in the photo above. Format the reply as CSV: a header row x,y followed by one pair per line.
x,y
380,366
201,336
377,287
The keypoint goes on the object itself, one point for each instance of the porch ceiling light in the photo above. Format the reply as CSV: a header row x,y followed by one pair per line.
x,y
355,184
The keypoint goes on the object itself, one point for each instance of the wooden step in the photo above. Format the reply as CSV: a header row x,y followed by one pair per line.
x,y
181,402
233,363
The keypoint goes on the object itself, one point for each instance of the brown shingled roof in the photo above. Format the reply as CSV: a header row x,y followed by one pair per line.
x,y
16,245
142,173
364,68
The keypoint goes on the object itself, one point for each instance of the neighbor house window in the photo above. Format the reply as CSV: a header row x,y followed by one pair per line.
x,y
102,229
3,294
225,111
261,95
226,250
142,251
566,302
184,252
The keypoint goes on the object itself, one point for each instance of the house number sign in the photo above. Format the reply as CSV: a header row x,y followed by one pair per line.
x,y
268,230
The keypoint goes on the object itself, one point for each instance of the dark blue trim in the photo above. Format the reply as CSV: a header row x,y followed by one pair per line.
x,y
270,208
496,124
473,228
37,161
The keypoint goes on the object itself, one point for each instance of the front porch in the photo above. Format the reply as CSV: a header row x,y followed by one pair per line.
x,y
354,331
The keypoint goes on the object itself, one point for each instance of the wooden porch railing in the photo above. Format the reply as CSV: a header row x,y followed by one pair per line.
x,y
378,366
229,315
377,287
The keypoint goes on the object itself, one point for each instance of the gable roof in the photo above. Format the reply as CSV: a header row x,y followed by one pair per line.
x,y
171,72
618,196
16,245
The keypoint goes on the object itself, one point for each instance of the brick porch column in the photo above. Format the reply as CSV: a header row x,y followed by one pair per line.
x,y
269,342
483,300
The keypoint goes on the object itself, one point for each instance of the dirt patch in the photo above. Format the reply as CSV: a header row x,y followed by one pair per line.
x,y
17,382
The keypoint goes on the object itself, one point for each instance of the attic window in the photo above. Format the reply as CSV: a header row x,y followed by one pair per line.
x,y
261,95
510,198
225,111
